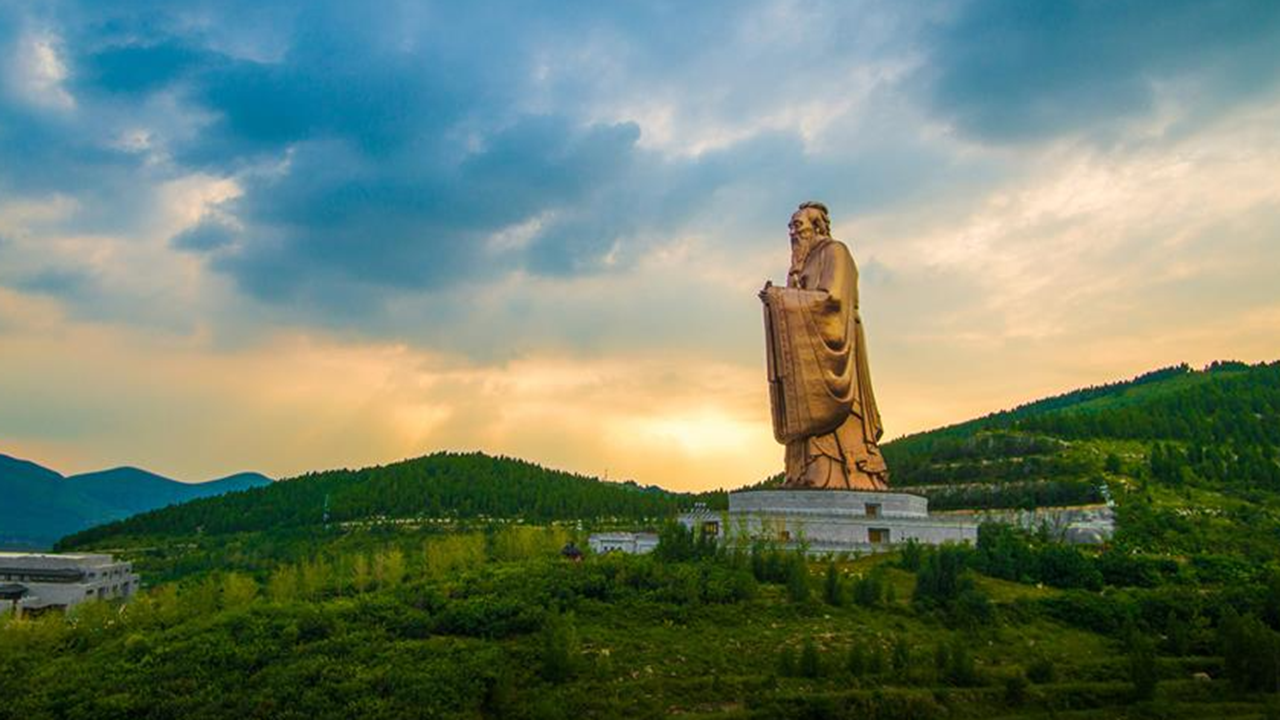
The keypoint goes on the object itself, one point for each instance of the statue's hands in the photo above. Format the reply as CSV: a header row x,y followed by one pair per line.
x,y
764,291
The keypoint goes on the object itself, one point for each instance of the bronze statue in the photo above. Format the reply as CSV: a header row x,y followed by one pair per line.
x,y
819,379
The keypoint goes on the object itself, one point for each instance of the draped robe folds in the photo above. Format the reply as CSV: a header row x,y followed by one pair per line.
x,y
824,410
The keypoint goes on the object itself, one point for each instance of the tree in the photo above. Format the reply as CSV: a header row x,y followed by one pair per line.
x,y
798,579
832,589
1142,666
856,662
558,648
238,590
809,661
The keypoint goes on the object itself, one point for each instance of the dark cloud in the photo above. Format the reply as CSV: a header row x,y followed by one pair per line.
x,y
56,282
1008,70
208,235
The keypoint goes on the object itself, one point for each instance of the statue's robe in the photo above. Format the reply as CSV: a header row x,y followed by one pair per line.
x,y
819,381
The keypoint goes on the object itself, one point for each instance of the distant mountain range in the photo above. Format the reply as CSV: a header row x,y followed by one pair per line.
x,y
39,505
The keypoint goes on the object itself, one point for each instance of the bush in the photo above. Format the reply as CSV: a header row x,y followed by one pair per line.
x,y
832,589
939,580
798,579
1015,689
900,655
856,662
1142,666
558,648
787,665
810,664
1041,671
912,555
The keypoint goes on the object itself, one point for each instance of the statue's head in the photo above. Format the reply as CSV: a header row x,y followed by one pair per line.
x,y
809,223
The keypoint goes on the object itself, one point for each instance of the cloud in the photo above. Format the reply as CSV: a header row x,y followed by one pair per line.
x,y
1004,70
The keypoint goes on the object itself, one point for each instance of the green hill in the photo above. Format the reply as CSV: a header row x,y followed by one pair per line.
x,y
1191,457
256,608
442,486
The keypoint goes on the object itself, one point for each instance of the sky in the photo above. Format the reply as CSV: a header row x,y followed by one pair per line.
x,y
294,235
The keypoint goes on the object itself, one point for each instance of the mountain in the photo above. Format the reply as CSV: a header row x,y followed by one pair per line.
x,y
41,505
1166,446
460,486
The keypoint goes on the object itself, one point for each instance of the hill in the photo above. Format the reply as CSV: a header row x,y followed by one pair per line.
x,y
442,486
395,608
1192,457
41,505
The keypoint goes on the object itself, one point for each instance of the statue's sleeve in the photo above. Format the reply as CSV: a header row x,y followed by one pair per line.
x,y
812,374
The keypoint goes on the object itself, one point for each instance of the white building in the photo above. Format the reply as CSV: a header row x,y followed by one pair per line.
x,y
628,542
829,521
44,581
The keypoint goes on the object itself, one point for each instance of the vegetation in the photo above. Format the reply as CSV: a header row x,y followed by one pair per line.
x,y
430,593
439,487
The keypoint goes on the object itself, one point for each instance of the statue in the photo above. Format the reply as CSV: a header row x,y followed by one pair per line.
x,y
824,411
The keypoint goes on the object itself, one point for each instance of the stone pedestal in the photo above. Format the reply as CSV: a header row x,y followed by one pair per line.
x,y
830,521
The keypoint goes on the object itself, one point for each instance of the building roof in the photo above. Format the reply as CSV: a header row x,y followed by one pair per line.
x,y
54,560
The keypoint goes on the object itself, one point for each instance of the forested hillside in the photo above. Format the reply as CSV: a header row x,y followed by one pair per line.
x,y
443,486
1192,457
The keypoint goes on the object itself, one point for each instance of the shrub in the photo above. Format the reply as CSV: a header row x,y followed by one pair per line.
x,y
1142,666
832,589
1015,689
856,662
912,555
868,590
1041,671
787,666
810,664
558,649
798,579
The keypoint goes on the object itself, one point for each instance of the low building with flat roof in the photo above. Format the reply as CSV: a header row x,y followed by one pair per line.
x,y
634,543
48,581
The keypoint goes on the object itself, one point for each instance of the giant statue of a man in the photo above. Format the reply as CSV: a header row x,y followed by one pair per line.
x,y
819,379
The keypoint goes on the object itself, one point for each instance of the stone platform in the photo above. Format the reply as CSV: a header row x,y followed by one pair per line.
x,y
830,521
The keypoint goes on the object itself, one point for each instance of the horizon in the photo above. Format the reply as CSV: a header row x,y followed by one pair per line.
x,y
603,478
276,237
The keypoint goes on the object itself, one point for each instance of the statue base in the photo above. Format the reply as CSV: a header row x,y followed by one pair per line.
x,y
829,521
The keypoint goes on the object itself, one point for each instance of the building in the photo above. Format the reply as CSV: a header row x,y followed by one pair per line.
x,y
44,581
829,521
634,543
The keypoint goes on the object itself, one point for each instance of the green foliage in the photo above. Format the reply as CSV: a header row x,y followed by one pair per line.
x,y
1142,666
558,648
869,589
939,580
678,543
900,654
911,555
443,485
788,665
1250,651
1041,670
1015,689
832,587
856,660
810,664
798,579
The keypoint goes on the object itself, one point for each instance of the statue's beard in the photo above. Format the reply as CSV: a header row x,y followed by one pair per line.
x,y
800,251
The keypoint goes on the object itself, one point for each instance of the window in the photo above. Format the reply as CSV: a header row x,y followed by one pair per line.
x,y
711,528
878,536
873,509
784,535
